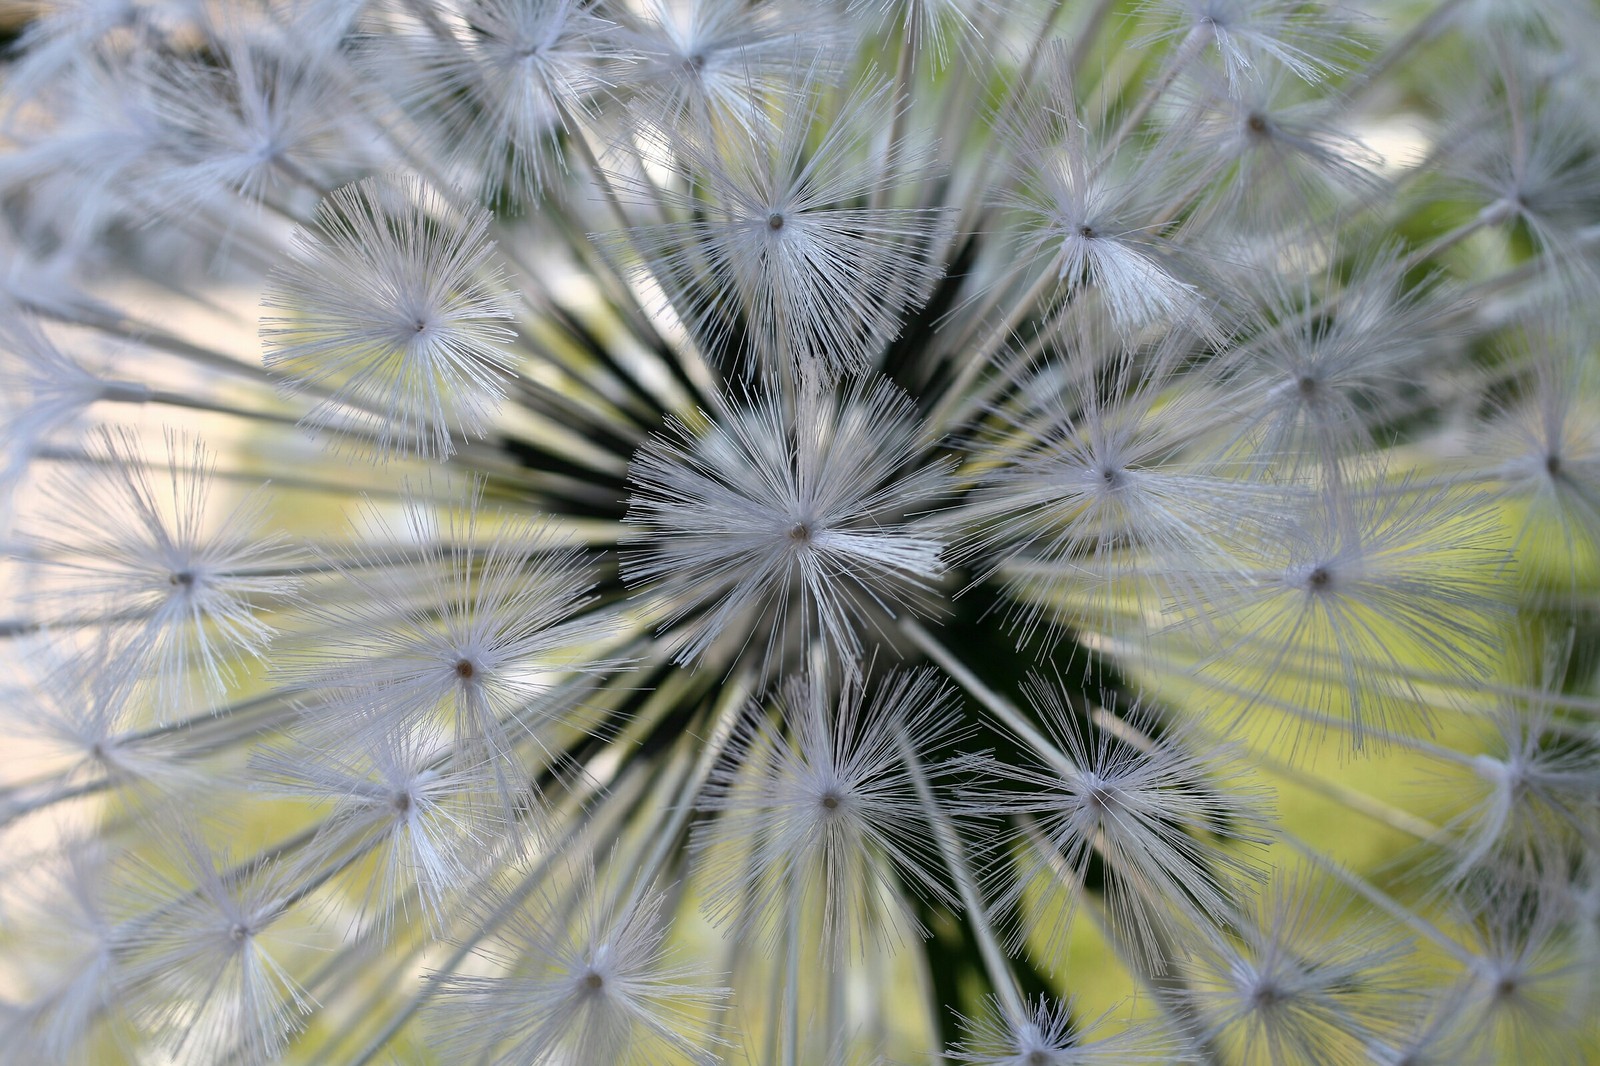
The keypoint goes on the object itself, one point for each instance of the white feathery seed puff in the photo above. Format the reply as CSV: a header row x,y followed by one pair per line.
x,y
825,822
787,255
423,824
72,958
585,979
44,389
799,532
1249,36
1112,482
1150,810
1096,226
1309,389
720,59
260,117
1359,602
395,309
1050,1033
199,957
491,82
770,526
137,550
1302,982
932,26
435,627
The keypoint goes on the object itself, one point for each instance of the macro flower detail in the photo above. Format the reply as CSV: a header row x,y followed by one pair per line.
x,y
492,82
463,635
1143,805
598,984
1356,584
1249,36
824,818
44,389
1097,228
795,518
718,59
281,117
1080,497
799,532
1309,386
409,338
1288,992
787,246
183,599
394,802
1050,1034
202,961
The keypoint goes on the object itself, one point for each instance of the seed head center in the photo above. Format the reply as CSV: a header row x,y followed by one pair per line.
x,y
1265,995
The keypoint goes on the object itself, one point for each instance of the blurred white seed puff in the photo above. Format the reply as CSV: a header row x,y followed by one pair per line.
x,y
493,83
1531,800
692,66
404,818
44,388
1541,454
1357,602
1305,390
1144,802
933,26
394,312
1052,1033
841,333
817,815
1273,142
1105,475
1085,217
72,958
1253,38
257,117
135,541
200,956
580,976
452,620
1302,981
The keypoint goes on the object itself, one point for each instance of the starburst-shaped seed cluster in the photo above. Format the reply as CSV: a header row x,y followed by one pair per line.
x,y
788,532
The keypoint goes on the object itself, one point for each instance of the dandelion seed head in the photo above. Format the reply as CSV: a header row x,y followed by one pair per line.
x,y
788,532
